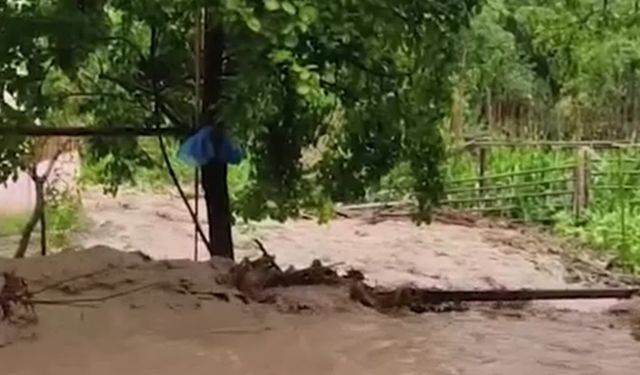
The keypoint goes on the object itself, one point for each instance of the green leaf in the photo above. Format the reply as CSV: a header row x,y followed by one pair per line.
x,y
289,8
303,89
305,75
271,5
280,56
254,24
308,14
291,40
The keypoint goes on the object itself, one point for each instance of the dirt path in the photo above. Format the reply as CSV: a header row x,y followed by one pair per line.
x,y
161,332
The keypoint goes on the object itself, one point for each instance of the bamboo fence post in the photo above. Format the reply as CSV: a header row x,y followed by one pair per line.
x,y
482,169
581,182
621,200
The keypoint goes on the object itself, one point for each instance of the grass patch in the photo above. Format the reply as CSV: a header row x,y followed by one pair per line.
x,y
63,216
11,225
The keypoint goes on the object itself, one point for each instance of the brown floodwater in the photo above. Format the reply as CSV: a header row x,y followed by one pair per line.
x,y
162,334
477,343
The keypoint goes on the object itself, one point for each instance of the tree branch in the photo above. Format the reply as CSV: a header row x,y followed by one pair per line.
x,y
163,105
39,182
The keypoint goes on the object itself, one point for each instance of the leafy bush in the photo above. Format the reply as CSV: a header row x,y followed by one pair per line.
x,y
63,215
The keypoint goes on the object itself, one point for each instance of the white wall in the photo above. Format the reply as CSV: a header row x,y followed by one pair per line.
x,y
19,197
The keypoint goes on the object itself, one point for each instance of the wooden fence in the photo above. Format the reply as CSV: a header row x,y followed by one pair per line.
x,y
571,187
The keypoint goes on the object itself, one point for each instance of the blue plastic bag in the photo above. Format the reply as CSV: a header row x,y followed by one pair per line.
x,y
199,150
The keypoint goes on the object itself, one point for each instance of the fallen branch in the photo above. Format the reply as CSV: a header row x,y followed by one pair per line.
x,y
74,278
71,301
438,296
266,255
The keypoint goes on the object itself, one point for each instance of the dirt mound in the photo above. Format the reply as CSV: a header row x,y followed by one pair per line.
x,y
89,278
100,275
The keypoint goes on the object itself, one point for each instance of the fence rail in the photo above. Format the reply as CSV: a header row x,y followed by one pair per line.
x,y
509,197
583,183
508,187
513,174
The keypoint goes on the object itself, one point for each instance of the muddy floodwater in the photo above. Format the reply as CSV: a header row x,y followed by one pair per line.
x,y
365,343
161,332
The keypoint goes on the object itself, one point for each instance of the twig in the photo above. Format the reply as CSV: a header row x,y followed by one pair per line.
x,y
74,278
91,299
79,305
267,255
223,331
336,264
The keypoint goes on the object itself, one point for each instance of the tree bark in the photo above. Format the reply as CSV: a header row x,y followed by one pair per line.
x,y
38,212
214,174
25,237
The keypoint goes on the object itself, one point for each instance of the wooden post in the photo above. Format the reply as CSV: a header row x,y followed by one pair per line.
x,y
198,42
43,229
482,169
581,182
621,199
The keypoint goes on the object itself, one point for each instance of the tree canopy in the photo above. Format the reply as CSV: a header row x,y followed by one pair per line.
x,y
555,69
324,96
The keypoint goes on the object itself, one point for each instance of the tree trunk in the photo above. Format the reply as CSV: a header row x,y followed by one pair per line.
x,y
33,220
457,113
489,109
214,174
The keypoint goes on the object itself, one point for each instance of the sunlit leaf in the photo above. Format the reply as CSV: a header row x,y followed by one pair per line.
x,y
272,5
288,7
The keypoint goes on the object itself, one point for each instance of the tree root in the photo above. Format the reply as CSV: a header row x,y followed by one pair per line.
x,y
14,294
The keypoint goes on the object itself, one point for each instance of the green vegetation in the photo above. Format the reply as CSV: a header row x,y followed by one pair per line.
x,y
551,69
155,178
64,215
368,79
373,90
12,224
610,221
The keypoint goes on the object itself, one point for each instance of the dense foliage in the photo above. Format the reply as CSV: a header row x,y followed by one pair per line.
x,y
554,69
358,85
337,100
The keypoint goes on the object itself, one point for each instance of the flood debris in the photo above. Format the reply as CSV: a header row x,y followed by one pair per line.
x,y
15,295
260,279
